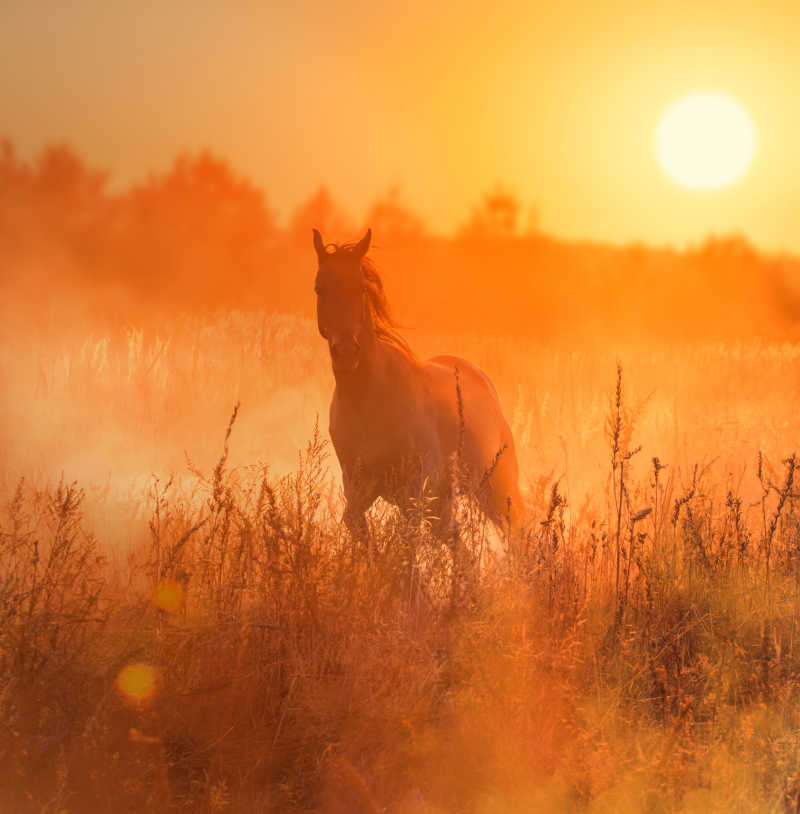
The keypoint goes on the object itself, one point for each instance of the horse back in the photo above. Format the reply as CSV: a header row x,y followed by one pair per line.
x,y
454,363
485,430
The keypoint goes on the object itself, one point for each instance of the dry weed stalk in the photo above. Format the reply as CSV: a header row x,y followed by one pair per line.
x,y
619,431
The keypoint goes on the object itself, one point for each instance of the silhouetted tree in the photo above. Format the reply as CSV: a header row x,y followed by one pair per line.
x,y
321,212
392,221
199,234
497,216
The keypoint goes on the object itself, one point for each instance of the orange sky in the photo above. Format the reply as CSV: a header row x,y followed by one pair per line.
x,y
557,101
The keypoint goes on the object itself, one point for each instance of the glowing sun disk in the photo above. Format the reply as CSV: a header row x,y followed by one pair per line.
x,y
705,141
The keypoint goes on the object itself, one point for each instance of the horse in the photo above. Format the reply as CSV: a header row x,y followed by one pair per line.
x,y
400,425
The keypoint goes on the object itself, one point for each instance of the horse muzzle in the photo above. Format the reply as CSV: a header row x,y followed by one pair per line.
x,y
345,354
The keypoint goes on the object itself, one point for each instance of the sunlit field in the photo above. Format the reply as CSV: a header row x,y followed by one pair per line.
x,y
187,624
528,271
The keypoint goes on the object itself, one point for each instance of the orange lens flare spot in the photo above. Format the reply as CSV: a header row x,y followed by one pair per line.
x,y
137,682
168,595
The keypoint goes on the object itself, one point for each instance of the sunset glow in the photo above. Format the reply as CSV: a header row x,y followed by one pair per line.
x,y
399,406
705,141
294,96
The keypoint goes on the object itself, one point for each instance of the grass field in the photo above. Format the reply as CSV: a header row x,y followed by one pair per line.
x,y
186,625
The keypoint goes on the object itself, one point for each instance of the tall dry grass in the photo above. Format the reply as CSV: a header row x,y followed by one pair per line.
x,y
211,639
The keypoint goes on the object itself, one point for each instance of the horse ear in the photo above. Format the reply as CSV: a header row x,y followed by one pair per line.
x,y
362,247
319,245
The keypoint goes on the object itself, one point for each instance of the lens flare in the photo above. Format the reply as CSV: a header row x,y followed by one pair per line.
x,y
168,595
137,682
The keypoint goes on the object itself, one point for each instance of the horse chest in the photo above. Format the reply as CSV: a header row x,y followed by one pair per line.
x,y
385,438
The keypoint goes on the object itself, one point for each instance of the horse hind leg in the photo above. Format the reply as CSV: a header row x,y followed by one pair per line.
x,y
504,508
447,529
502,500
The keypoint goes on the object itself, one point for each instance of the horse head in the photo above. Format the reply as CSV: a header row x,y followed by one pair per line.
x,y
342,311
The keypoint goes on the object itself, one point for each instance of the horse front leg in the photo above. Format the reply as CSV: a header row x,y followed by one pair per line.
x,y
358,498
356,521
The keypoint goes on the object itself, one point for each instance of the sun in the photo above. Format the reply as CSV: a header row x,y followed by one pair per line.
x,y
705,141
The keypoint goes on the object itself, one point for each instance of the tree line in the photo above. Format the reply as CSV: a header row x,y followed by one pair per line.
x,y
200,238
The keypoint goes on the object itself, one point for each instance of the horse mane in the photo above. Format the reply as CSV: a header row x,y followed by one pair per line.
x,y
386,328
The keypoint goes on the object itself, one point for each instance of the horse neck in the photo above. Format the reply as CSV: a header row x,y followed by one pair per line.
x,y
369,375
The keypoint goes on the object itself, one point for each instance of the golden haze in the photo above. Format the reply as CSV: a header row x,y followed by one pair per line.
x,y
185,621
